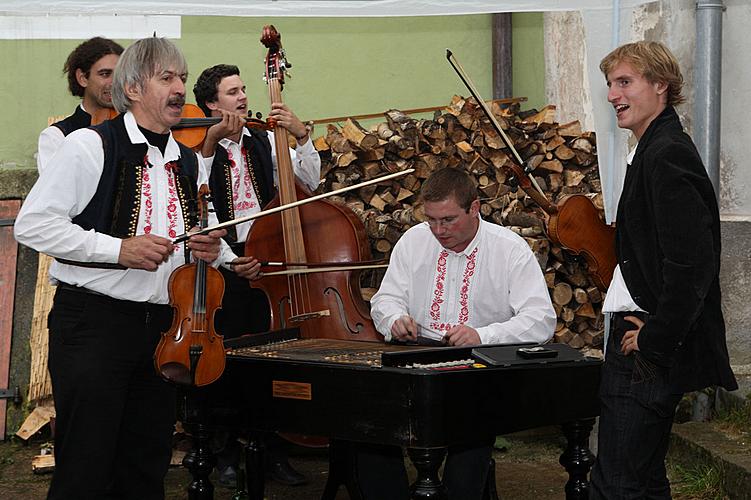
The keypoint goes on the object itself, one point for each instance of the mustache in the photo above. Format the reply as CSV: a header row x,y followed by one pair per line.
x,y
177,100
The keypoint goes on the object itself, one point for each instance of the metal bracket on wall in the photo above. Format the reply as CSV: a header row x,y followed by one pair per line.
x,y
13,394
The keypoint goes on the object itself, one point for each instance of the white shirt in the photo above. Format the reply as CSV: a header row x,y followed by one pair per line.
x,y
64,189
618,297
494,286
49,142
305,162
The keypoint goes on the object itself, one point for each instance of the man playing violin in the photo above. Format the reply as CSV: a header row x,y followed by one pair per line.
x,y
455,280
89,69
243,178
667,332
107,207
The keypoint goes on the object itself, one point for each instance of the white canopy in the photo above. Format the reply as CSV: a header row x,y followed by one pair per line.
x,y
300,8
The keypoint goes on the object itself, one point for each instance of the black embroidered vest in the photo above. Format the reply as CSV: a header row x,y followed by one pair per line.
x,y
116,204
258,156
79,119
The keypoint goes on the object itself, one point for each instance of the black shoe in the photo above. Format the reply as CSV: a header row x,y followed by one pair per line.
x,y
282,472
227,477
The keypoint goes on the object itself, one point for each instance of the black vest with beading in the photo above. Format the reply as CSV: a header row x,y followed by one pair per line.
x,y
116,204
260,168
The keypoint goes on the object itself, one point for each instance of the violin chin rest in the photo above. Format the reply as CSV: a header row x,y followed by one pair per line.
x,y
176,372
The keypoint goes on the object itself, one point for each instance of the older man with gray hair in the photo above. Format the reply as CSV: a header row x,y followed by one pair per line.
x,y
107,208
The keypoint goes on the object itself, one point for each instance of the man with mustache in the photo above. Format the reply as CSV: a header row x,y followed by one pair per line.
x,y
89,69
107,207
667,334
243,178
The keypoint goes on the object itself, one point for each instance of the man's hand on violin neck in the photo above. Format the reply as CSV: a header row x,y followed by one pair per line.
x,y
284,117
146,251
206,246
231,125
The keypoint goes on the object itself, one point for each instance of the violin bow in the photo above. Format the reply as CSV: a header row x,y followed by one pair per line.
x,y
520,173
240,220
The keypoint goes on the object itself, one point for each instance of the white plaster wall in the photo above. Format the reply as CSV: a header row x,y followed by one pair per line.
x,y
566,82
674,23
735,160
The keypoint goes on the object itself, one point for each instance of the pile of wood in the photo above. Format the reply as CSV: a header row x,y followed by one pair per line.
x,y
562,155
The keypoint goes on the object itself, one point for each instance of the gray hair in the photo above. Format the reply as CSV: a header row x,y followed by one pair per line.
x,y
141,61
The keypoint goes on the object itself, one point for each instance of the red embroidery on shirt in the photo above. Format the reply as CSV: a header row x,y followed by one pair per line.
x,y
172,201
435,308
241,200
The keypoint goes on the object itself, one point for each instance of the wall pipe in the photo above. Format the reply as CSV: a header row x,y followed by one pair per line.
x,y
707,85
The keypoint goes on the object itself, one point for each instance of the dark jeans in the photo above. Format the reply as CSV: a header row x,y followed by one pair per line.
x,y
636,415
115,415
381,473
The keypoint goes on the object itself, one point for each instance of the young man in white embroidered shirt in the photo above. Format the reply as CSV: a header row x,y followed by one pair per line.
x,y
243,177
462,281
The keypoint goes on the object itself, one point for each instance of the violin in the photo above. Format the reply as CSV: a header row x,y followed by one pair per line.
x,y
191,352
574,223
193,125
324,304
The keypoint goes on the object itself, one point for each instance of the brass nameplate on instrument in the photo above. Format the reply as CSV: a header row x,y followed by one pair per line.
x,y
291,390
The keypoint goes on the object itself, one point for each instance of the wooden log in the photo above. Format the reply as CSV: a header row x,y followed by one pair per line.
x,y
553,166
586,310
577,342
563,336
564,153
383,246
346,159
594,294
570,129
562,293
580,295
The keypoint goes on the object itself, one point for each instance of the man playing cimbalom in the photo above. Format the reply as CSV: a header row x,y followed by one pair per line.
x,y
667,333
89,69
117,194
458,280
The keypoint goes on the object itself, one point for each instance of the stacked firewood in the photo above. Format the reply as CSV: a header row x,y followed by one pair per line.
x,y
563,158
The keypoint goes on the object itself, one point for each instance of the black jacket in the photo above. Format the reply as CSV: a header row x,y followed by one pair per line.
x,y
668,247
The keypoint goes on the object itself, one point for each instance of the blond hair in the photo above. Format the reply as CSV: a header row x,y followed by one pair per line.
x,y
653,61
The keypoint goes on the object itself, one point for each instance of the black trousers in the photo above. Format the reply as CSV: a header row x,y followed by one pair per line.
x,y
381,473
636,415
115,415
244,309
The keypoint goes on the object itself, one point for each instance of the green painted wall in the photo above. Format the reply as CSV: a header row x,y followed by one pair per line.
x,y
341,66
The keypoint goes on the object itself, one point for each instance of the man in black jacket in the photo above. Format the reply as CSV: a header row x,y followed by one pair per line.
x,y
667,334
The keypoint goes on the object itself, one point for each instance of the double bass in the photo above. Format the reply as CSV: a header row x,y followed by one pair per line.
x,y
574,222
325,304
